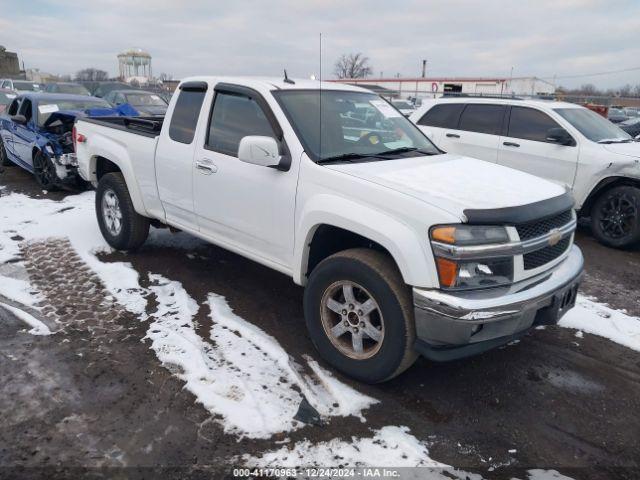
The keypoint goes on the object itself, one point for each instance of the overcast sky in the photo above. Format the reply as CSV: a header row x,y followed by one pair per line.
x,y
458,38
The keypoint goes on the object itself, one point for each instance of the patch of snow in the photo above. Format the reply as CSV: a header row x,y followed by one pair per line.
x,y
37,327
244,377
599,319
390,446
538,474
18,290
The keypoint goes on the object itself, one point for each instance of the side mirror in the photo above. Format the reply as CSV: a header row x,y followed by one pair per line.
x,y
21,119
259,150
560,136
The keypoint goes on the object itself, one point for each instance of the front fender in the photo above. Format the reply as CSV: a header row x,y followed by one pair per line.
x,y
410,251
103,147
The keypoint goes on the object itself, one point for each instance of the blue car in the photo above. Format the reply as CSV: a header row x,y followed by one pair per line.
x,y
36,134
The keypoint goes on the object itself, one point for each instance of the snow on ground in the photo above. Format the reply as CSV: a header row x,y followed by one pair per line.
x,y
537,474
389,447
37,327
240,373
599,319
243,376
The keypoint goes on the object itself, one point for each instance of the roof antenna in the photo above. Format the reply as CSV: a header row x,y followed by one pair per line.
x,y
320,101
287,79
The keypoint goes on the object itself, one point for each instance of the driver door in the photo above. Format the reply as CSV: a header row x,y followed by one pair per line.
x,y
244,206
24,135
8,132
525,147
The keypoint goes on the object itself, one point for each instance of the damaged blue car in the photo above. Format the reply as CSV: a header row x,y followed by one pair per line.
x,y
36,133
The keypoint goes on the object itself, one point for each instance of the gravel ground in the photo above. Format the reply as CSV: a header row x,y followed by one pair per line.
x,y
95,395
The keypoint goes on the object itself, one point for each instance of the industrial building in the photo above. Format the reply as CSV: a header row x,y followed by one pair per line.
x,y
9,64
432,87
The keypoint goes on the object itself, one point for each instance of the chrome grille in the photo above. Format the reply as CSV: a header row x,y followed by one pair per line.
x,y
538,228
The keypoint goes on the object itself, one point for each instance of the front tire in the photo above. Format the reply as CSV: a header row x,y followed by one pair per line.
x,y
45,172
122,227
359,315
615,217
4,158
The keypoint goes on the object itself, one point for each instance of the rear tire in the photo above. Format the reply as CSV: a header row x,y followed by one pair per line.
x,y
4,159
338,300
122,227
615,217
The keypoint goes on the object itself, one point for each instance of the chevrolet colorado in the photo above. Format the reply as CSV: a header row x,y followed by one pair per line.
x,y
402,249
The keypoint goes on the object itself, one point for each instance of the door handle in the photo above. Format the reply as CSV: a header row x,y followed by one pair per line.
x,y
453,135
511,144
206,166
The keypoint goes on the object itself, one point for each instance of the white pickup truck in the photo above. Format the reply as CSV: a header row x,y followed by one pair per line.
x,y
403,250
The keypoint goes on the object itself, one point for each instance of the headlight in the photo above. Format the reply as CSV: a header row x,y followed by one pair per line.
x,y
470,273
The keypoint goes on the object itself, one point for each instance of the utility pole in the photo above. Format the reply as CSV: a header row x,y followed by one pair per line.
x,y
424,68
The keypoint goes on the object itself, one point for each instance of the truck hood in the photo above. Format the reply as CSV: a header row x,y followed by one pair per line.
x,y
455,183
631,149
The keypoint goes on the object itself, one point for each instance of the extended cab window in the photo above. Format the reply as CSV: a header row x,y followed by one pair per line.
x,y
443,116
530,124
482,118
235,117
185,115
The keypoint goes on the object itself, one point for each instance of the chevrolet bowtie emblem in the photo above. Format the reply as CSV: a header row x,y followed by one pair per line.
x,y
554,236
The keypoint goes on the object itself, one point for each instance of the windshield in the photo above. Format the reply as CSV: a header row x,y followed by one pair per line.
x,y
593,126
46,108
26,86
73,89
6,98
354,125
145,99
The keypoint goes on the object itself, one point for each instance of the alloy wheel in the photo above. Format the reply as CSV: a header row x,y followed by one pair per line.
x,y
352,320
44,171
111,212
618,215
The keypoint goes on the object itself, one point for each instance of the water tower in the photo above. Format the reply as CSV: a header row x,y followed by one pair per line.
x,y
135,64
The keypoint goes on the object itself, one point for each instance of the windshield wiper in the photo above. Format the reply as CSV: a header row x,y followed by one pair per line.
x,y
404,150
347,157
350,157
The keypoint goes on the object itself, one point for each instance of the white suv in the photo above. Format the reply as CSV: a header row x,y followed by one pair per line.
x,y
562,142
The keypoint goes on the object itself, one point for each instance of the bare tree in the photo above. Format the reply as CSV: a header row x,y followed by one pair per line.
x,y
165,76
92,75
352,65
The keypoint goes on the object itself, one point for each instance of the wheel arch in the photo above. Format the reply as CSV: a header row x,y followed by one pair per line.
x,y
322,233
602,186
102,163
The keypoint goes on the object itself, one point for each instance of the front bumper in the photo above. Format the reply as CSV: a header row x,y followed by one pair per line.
x,y
461,324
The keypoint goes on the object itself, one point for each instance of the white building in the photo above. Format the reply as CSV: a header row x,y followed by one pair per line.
x,y
430,87
135,64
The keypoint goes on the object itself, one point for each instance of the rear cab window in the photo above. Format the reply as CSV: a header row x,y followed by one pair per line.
x,y
185,115
530,124
482,118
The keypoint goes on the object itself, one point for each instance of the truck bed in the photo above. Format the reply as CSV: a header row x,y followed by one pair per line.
x,y
148,127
